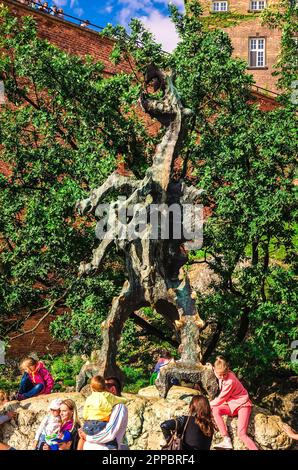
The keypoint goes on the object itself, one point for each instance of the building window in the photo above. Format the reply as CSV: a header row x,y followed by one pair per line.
x,y
257,52
220,6
257,6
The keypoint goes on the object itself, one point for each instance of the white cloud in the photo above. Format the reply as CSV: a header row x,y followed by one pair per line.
x,y
60,3
162,28
74,3
148,11
79,12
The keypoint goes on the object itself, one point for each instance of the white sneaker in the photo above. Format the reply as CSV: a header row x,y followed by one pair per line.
x,y
225,444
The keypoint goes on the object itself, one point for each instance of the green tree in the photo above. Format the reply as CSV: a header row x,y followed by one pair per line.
x,y
61,132
284,15
67,140
245,160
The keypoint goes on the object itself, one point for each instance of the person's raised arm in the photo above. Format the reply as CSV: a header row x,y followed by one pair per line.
x,y
225,393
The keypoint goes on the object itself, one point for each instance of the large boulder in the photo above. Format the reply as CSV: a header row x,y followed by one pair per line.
x,y
281,395
146,411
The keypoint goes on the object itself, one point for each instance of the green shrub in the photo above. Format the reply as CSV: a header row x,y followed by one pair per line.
x,y
65,368
135,379
8,385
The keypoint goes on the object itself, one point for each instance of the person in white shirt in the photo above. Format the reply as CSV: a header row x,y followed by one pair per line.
x,y
50,425
113,434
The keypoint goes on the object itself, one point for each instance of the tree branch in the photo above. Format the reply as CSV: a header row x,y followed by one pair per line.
x,y
152,329
244,324
44,316
212,344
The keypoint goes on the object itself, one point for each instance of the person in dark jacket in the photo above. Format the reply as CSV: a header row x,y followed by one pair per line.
x,y
199,431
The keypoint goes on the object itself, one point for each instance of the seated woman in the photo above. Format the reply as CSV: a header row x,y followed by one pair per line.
x,y
197,428
164,359
233,400
36,379
69,423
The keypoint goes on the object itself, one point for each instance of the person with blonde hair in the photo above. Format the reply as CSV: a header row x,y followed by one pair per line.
x,y
36,379
233,400
98,408
70,423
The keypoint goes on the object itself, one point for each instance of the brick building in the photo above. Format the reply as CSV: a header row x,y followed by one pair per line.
x,y
255,43
74,39
69,36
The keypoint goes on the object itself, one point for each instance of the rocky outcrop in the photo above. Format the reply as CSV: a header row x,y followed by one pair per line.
x,y
146,411
281,395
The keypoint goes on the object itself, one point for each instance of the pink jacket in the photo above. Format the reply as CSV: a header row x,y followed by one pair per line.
x,y
42,376
232,393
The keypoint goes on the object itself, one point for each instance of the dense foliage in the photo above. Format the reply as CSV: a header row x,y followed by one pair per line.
x,y
63,136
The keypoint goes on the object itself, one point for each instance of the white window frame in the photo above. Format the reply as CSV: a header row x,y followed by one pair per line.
x,y
258,5
221,6
257,52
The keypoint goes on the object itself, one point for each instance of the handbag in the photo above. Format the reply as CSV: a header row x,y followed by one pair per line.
x,y
176,441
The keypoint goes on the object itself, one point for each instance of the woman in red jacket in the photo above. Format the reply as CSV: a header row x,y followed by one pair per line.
x,y
36,379
233,400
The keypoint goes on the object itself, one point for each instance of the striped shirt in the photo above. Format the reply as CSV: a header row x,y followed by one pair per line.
x,y
115,429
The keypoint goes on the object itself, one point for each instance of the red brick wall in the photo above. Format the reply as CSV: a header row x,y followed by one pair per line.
x,y
70,37
240,40
38,341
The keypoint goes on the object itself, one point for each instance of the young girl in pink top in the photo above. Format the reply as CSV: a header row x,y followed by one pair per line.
x,y
233,400
36,379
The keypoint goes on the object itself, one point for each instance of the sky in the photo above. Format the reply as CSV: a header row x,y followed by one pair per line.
x,y
153,13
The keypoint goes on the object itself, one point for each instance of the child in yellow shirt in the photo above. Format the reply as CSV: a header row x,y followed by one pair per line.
x,y
98,408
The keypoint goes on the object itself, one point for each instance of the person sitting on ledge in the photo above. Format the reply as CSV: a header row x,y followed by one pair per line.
x,y
44,7
60,13
85,24
50,425
233,400
36,379
64,442
196,429
54,10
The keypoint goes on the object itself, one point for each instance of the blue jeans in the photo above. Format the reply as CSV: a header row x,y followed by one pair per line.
x,y
93,427
27,388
